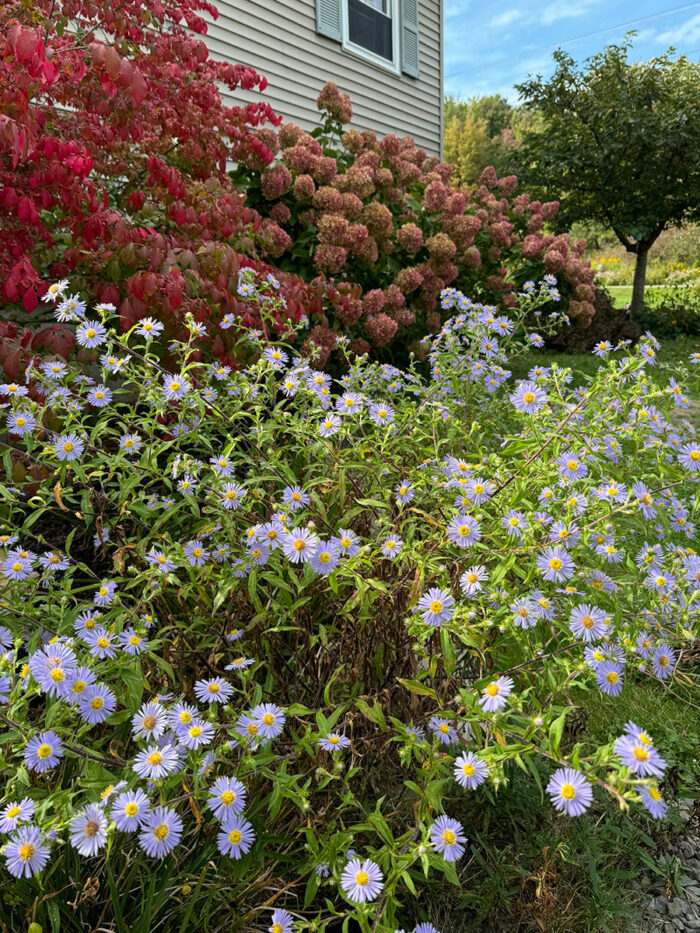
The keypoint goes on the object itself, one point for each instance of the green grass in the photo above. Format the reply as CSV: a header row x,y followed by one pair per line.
x,y
622,294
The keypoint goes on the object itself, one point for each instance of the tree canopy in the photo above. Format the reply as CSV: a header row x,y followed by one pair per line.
x,y
621,144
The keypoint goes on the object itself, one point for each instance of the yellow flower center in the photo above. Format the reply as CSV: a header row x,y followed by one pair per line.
x,y
12,813
155,758
97,702
568,791
131,809
227,798
436,606
555,563
362,878
612,677
641,754
235,836
529,397
468,769
492,690
268,719
26,852
43,751
449,837
161,831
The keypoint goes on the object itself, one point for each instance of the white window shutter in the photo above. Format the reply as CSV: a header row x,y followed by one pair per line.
x,y
329,19
409,37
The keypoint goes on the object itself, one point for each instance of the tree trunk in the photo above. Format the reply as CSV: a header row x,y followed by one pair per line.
x,y
640,274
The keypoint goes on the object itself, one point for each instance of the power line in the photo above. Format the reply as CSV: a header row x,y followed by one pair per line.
x,y
590,35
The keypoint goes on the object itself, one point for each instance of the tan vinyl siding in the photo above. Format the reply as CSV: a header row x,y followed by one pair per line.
x,y
278,38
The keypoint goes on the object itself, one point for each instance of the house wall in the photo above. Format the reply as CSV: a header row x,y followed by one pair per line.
x,y
278,38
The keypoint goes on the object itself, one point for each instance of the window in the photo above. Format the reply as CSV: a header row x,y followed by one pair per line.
x,y
384,32
371,30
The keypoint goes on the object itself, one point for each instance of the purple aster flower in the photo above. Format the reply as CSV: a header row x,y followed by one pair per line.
x,y
227,798
239,664
609,676
196,735
150,722
214,690
349,403
571,793
21,423
157,559
640,757
130,809
187,485
514,523
689,457
479,490
524,612
435,606
276,357
528,398
612,491
333,742
653,801
362,880
555,564
106,594
464,531
161,831
78,682
155,762
447,836
329,426
634,732
90,334
571,466
96,704
281,922
602,348
196,554
294,498
175,387
326,557
404,493
392,547
588,622
16,568
472,579
347,541
130,444
663,661
88,830
236,837
645,500
43,752
51,561
14,813
99,396
470,771
131,643
443,730
299,546
100,643
68,447
26,853
232,495
381,414
495,694
269,719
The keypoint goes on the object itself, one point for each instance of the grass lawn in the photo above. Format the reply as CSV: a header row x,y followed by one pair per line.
x,y
622,294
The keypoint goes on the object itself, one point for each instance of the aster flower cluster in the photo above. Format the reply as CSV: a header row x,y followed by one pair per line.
x,y
260,545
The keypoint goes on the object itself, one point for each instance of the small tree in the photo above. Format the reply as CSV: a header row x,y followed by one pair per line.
x,y
621,145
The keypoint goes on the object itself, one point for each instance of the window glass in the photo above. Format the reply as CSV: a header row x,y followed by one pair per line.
x,y
370,26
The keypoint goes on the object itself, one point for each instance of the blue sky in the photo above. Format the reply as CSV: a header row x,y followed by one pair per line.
x,y
491,46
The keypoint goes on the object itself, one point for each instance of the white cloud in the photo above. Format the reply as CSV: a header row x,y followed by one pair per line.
x,y
686,33
505,18
564,9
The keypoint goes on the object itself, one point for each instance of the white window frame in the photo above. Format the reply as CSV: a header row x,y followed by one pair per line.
x,y
394,66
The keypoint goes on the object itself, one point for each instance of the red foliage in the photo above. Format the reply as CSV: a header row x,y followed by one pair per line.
x,y
112,128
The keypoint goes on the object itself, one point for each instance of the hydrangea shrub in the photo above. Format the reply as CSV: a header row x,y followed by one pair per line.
x,y
379,218
263,632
